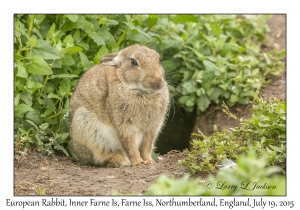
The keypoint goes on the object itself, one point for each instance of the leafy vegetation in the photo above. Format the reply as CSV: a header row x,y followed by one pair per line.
x,y
251,177
207,58
221,60
265,131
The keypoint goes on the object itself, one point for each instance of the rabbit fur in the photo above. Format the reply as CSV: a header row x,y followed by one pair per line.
x,y
118,108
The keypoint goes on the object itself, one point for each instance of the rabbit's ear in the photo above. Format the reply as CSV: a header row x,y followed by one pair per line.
x,y
112,59
108,57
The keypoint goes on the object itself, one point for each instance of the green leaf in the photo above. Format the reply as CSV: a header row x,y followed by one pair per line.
x,y
220,151
84,61
268,61
153,155
262,125
237,48
184,18
237,34
98,38
67,60
45,51
203,102
51,30
39,66
216,94
62,137
33,124
72,18
22,108
26,97
189,103
208,75
183,99
247,93
59,147
169,65
44,126
140,37
20,84
108,37
51,95
68,41
167,43
64,87
236,89
32,86
243,101
234,98
32,41
50,88
63,76
152,20
111,22
47,112
17,99
102,51
83,45
215,28
199,54
67,106
56,64
20,28
21,70
71,50
189,87
81,23
209,65
226,48
275,148
34,116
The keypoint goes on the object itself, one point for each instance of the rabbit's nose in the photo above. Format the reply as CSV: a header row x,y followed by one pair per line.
x,y
157,84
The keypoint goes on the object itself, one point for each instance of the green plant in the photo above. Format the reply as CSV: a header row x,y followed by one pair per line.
x,y
171,186
41,191
265,131
221,60
252,176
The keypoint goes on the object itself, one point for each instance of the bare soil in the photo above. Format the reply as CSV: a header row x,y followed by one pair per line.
x,y
36,174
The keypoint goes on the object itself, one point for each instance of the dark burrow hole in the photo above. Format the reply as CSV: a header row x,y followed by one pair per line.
x,y
176,134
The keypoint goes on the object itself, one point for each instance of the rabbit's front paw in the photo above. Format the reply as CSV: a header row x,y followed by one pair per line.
x,y
146,162
149,161
137,161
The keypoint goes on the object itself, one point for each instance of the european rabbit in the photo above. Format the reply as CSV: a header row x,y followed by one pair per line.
x,y
118,108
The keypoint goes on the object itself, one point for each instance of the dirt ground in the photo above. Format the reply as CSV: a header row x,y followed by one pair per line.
x,y
35,174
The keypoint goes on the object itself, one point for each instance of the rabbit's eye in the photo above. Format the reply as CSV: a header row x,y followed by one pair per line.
x,y
133,62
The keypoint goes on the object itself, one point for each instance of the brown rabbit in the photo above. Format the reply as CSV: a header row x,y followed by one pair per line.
x,y
118,108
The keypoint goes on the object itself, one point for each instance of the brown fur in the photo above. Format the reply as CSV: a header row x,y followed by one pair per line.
x,y
117,110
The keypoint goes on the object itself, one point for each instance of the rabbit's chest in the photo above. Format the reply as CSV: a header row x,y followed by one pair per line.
x,y
137,109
